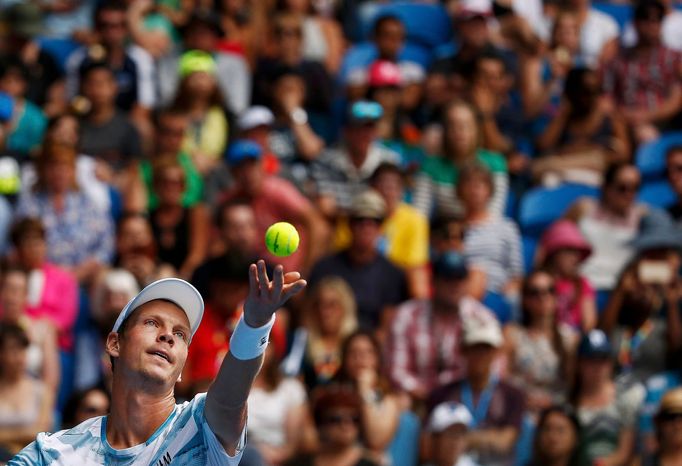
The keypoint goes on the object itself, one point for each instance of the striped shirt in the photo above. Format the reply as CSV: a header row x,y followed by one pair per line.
x,y
434,191
184,439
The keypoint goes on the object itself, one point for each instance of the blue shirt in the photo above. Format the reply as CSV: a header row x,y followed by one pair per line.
x,y
184,439
656,387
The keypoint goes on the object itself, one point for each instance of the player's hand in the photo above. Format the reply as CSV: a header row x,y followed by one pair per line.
x,y
266,296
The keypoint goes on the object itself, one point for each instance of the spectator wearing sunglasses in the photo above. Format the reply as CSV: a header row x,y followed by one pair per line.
x,y
674,173
668,432
609,224
337,411
343,172
656,388
557,438
541,349
563,249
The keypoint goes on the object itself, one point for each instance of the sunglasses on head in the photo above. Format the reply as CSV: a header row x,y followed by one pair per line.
x,y
366,111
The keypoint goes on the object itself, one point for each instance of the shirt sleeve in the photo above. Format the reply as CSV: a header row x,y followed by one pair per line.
x,y
400,354
215,452
29,456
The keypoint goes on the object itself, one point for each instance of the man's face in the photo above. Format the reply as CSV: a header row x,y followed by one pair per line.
x,y
170,134
649,29
491,74
473,32
390,38
154,345
249,175
99,87
675,171
239,231
200,37
111,25
447,292
479,358
360,136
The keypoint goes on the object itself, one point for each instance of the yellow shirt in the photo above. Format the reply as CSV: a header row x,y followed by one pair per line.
x,y
210,138
404,240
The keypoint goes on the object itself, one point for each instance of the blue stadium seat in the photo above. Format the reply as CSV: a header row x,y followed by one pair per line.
x,y
426,24
658,194
621,13
500,306
60,49
542,206
529,245
650,157
363,54
404,448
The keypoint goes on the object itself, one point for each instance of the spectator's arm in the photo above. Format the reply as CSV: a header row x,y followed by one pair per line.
x,y
198,240
674,326
157,42
668,109
609,318
51,372
380,420
588,313
308,143
478,281
623,454
534,93
550,138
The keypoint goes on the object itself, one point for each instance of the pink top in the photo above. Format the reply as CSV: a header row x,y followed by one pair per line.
x,y
568,305
58,303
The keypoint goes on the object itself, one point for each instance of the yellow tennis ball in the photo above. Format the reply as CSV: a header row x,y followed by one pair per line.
x,y
282,239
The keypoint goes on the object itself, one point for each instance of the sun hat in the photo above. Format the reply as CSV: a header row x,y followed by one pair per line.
x,y
484,330
243,149
657,231
565,234
384,73
175,290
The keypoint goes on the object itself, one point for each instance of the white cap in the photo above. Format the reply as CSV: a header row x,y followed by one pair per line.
x,y
255,116
448,414
483,329
174,290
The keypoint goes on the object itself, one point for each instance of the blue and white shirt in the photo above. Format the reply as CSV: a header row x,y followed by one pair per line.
x,y
184,439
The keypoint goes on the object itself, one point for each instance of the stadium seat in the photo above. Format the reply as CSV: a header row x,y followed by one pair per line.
x,y
363,54
500,306
540,207
404,449
426,24
650,157
59,49
529,245
621,13
658,194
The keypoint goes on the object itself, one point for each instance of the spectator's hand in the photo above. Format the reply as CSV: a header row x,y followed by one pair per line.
x,y
367,380
142,267
484,100
673,292
266,296
559,64
29,54
628,282
104,172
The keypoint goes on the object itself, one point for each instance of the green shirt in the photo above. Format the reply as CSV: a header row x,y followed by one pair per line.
x,y
194,184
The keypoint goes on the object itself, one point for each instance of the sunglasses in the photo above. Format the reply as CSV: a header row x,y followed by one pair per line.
x,y
338,419
626,188
667,416
536,291
359,220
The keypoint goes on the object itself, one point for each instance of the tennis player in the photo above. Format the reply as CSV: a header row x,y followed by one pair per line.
x,y
148,348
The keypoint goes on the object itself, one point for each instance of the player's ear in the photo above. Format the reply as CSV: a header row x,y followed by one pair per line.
x,y
112,346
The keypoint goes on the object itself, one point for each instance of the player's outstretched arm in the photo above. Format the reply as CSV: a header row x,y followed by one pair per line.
x,y
225,408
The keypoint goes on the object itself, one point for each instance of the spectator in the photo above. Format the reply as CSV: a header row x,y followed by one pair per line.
x,y
170,129
492,243
110,293
152,28
278,412
668,430
337,413
84,405
44,83
609,223
448,426
202,31
598,33
181,233
25,130
105,132
447,233
361,367
671,23
377,284
245,26
541,349
43,360
52,291
605,408
425,339
136,249
673,170
344,172
329,318
199,98
562,250
557,438
434,193
255,124
79,236
26,405
498,411
586,133
543,75
273,200
292,138
647,104
642,316
389,37
323,41
131,65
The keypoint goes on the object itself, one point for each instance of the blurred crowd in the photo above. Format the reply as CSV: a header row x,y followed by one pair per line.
x,y
488,193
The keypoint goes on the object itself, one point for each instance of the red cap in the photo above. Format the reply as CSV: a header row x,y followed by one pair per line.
x,y
384,73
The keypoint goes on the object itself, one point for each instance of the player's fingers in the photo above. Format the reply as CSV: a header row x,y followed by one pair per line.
x,y
263,282
253,280
292,289
277,281
291,277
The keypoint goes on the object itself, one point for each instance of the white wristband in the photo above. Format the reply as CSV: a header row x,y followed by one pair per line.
x,y
248,342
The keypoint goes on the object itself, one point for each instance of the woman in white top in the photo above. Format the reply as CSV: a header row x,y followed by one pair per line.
x,y
278,409
609,224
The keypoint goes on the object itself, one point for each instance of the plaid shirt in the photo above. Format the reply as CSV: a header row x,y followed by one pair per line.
x,y
424,353
643,81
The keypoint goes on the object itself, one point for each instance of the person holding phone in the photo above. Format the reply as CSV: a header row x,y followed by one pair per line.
x,y
642,316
